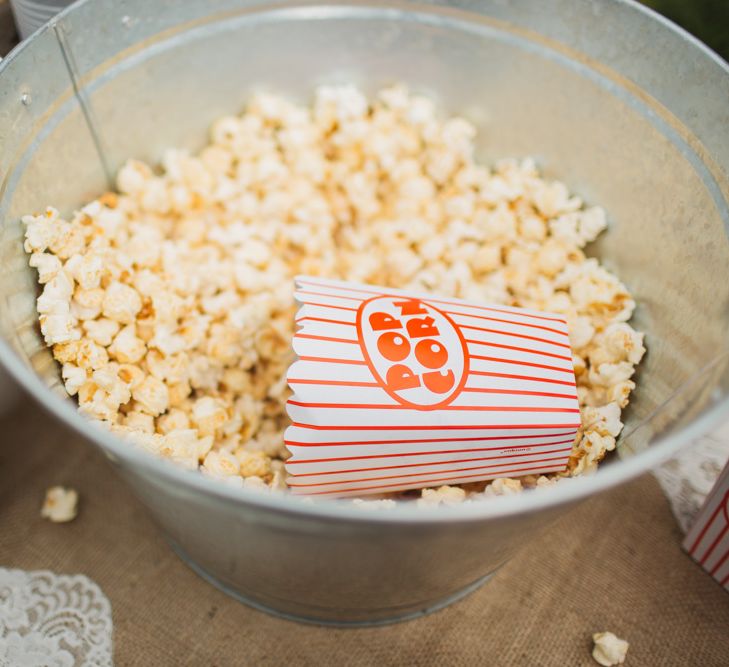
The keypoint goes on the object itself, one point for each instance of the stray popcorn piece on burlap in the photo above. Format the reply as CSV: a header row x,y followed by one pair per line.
x,y
60,504
609,650
170,305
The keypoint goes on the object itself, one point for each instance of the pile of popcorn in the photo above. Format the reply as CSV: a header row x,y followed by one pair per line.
x,y
170,304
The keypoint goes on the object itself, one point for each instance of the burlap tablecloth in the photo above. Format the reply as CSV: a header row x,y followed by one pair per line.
x,y
614,563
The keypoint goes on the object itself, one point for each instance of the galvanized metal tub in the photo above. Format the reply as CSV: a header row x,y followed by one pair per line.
x,y
624,107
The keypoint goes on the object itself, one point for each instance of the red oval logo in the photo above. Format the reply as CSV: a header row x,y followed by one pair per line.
x,y
414,350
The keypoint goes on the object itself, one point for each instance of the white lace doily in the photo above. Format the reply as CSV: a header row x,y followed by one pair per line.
x,y
52,620
688,478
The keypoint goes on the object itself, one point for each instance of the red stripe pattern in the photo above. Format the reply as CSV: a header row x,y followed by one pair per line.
x,y
505,401
708,539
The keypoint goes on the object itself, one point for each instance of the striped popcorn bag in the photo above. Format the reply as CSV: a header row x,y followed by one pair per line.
x,y
395,391
708,540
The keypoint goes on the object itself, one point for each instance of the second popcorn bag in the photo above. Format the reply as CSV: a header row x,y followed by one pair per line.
x,y
394,390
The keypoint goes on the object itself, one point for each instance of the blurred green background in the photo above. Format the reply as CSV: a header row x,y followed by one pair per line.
x,y
707,19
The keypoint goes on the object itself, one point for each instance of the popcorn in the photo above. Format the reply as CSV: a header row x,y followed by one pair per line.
x,y
235,380
152,396
618,342
121,303
173,420
581,331
101,331
171,368
66,352
620,393
109,381
56,294
254,483
89,355
445,495
139,421
96,403
381,504
68,240
178,393
59,328
551,199
551,258
60,504
503,486
86,269
186,447
600,426
253,463
131,375
143,248
87,304
403,265
47,265
208,414
133,177
127,348
166,341
609,650
608,375
73,378
486,259
338,104
604,420
40,230
221,464
181,285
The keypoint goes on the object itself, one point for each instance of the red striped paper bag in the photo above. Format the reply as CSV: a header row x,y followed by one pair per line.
x,y
708,539
394,391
